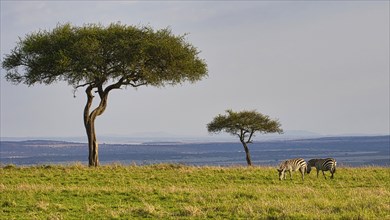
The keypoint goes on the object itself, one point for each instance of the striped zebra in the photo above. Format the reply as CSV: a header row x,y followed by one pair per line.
x,y
327,164
290,166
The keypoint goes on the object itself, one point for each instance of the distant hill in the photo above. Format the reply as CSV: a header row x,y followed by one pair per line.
x,y
152,137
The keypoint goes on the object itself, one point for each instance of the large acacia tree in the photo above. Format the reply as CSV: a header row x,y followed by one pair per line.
x,y
244,125
101,59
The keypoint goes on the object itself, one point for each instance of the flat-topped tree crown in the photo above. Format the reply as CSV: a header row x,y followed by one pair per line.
x,y
244,125
101,59
95,54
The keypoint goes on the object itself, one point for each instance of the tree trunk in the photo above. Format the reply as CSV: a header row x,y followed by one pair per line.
x,y
89,123
93,147
248,156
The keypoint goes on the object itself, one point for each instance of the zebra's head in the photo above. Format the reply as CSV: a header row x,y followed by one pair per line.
x,y
308,168
281,172
311,163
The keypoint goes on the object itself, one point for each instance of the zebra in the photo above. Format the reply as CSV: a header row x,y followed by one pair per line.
x,y
327,164
290,166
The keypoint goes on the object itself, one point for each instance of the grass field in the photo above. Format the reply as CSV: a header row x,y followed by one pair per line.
x,y
169,191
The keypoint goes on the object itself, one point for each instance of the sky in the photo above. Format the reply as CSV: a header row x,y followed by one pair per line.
x,y
318,66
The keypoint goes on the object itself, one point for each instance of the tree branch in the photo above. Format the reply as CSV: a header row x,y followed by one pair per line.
x,y
242,135
88,104
124,81
82,85
116,85
79,86
100,91
137,85
250,137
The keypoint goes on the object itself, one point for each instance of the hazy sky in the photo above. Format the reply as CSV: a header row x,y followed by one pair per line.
x,y
319,66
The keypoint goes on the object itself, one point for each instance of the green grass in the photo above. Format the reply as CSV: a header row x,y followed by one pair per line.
x,y
169,191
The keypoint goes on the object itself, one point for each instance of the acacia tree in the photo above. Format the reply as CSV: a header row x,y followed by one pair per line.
x,y
101,59
244,124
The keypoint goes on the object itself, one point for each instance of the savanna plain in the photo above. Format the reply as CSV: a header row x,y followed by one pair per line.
x,y
174,191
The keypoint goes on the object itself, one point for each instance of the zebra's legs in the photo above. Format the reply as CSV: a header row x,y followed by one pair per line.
x,y
332,175
324,174
303,173
318,172
284,175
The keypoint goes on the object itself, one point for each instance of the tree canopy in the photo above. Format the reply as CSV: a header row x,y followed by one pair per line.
x,y
244,124
95,55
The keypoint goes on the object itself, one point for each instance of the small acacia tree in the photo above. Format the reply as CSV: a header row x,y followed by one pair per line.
x,y
102,59
244,124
